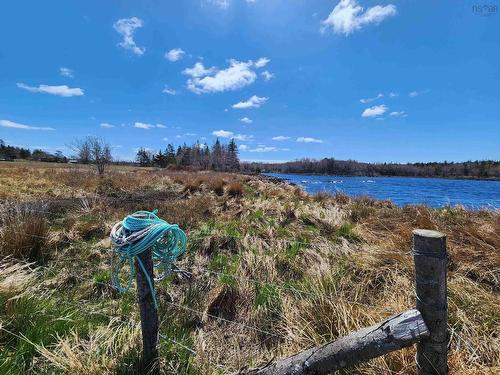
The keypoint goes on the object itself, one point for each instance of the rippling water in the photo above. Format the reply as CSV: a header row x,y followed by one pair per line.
x,y
434,192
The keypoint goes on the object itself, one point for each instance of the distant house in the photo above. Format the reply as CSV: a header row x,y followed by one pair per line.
x,y
6,158
72,161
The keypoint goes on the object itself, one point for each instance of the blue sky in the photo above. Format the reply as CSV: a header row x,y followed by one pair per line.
x,y
366,80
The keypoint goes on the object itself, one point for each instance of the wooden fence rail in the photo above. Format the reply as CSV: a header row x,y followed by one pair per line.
x,y
425,326
395,333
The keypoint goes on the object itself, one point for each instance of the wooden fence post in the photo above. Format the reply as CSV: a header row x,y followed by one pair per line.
x,y
149,315
430,256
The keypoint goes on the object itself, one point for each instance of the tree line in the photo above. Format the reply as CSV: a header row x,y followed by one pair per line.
x,y
9,153
468,169
219,157
97,151
224,157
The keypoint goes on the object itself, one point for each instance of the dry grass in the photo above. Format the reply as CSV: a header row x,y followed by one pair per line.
x,y
101,352
23,231
217,186
306,269
235,190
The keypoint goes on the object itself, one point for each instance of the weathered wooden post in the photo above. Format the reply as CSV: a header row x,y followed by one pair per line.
x,y
149,316
430,256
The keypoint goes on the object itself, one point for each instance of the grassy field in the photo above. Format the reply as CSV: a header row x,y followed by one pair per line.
x,y
293,270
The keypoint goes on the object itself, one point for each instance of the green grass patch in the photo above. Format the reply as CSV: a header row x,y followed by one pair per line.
x,y
346,231
226,266
38,321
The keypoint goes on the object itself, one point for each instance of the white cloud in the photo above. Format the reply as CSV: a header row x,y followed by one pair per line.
x,y
368,100
262,62
398,114
222,133
15,125
169,91
198,70
254,102
375,111
414,94
348,16
66,72
264,149
309,140
209,80
223,4
175,54
190,134
126,27
280,138
243,137
267,75
243,147
62,90
106,125
393,94
238,75
165,139
228,134
246,120
143,125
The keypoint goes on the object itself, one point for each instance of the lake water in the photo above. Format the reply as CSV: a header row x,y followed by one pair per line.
x,y
434,192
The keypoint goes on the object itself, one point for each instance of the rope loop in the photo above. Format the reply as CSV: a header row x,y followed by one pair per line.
x,y
138,232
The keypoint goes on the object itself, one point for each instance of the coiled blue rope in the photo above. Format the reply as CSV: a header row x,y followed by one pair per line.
x,y
138,232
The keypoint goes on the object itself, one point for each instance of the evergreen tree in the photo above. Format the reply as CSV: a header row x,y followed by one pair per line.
x,y
205,157
160,159
232,160
216,160
143,157
170,155
185,156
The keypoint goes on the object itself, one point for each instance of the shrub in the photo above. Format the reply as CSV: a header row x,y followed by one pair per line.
x,y
23,231
322,196
341,198
106,186
217,186
187,213
235,189
192,186
178,179
360,209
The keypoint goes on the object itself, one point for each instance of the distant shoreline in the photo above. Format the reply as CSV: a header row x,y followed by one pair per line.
x,y
466,178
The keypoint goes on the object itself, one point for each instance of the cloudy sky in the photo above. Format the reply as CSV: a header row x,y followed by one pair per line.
x,y
353,79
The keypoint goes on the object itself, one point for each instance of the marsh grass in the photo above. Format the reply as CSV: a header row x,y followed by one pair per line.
x,y
235,190
301,269
23,231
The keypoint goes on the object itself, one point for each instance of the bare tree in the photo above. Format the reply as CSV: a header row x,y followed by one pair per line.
x,y
93,150
82,148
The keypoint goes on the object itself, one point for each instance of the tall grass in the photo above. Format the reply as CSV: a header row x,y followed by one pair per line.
x,y
23,231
